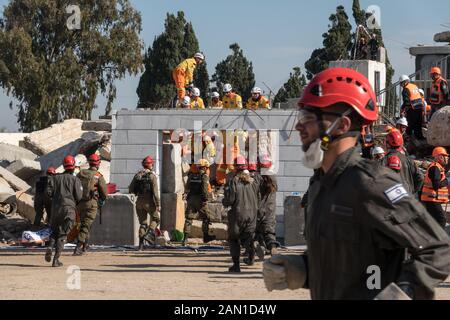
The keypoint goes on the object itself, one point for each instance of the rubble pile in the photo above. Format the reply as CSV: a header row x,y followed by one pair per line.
x,y
24,158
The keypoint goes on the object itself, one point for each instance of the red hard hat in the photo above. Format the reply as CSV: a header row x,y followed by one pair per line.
x,y
265,162
394,139
147,161
69,163
341,85
241,163
94,159
252,166
394,163
51,170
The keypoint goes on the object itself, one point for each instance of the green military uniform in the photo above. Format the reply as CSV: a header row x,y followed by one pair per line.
x,y
42,201
89,204
145,186
196,203
361,215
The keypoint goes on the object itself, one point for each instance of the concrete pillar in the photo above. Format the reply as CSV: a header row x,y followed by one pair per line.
x,y
172,212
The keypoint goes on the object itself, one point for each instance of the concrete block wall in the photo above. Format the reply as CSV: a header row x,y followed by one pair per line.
x,y
138,133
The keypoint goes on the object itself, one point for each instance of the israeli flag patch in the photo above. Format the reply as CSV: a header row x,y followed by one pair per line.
x,y
396,193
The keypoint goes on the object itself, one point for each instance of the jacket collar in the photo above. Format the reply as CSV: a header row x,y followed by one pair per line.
x,y
341,163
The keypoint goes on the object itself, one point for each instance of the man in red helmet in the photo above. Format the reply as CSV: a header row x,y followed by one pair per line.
x,y
95,192
360,216
145,186
41,199
66,192
409,172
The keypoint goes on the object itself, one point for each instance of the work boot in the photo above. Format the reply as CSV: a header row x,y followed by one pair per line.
x,y
235,268
274,250
207,238
260,251
141,244
78,249
48,254
56,262
85,247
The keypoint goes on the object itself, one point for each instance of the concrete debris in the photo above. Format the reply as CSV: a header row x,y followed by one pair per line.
x,y
97,125
24,169
105,151
12,138
172,211
437,134
5,187
10,153
217,229
25,206
172,169
15,182
442,36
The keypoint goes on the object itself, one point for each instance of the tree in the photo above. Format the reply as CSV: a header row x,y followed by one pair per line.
x,y
56,71
237,71
337,44
177,42
293,88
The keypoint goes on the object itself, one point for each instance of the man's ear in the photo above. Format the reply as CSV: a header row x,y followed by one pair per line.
x,y
344,126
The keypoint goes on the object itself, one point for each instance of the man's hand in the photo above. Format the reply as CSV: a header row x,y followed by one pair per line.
x,y
285,272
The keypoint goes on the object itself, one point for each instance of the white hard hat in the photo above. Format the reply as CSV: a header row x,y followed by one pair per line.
x,y
421,92
256,90
227,88
186,101
215,95
196,92
402,121
404,77
199,55
377,150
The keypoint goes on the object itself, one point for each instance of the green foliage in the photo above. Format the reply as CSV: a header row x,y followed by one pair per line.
x,y
177,43
293,88
56,73
237,71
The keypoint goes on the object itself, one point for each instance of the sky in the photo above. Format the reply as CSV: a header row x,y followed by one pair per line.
x,y
275,35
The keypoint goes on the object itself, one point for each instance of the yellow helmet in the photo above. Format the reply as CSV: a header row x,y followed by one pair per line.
x,y
203,163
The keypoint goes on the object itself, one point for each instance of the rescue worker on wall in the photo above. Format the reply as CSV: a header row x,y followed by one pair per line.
x,y
145,186
215,100
359,213
266,223
95,192
198,193
242,197
185,103
257,100
183,74
41,199
439,93
412,107
435,187
196,100
66,192
409,172
378,154
231,100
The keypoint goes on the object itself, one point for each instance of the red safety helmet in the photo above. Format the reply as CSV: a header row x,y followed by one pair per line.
x,y
394,163
69,163
252,166
341,85
51,170
265,162
148,161
394,139
240,163
94,159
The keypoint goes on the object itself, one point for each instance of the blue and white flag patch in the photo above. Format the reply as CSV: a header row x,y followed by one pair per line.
x,y
396,193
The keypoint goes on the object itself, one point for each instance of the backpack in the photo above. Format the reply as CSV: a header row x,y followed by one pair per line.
x,y
89,181
143,182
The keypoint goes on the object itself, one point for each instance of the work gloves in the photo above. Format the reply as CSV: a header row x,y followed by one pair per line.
x,y
285,272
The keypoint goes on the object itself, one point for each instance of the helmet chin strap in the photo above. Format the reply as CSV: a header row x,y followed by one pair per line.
x,y
326,135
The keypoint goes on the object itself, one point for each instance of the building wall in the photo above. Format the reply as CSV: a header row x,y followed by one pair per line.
x,y
138,133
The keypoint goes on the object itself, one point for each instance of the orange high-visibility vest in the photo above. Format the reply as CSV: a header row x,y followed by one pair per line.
x,y
436,95
428,193
221,174
414,96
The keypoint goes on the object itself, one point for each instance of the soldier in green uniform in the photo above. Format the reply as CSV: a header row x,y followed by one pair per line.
x,y
95,192
197,199
361,218
145,186
41,199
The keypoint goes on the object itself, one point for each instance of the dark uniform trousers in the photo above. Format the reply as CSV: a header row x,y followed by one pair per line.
x,y
436,211
61,224
41,202
414,118
241,231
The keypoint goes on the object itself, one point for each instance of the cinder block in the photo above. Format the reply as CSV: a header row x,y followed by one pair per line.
x,y
133,166
171,169
165,122
290,138
119,225
290,153
133,151
145,137
280,199
293,184
15,182
294,222
122,181
172,211
285,122
119,137
24,169
133,122
296,169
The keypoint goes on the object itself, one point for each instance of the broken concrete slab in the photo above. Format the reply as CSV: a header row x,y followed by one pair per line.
x,y
97,125
24,169
105,170
12,138
15,182
10,153
105,151
172,169
217,211
442,36
25,205
5,187
217,229
438,128
172,212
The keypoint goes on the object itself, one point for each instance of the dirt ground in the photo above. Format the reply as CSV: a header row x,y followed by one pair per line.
x,y
152,274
